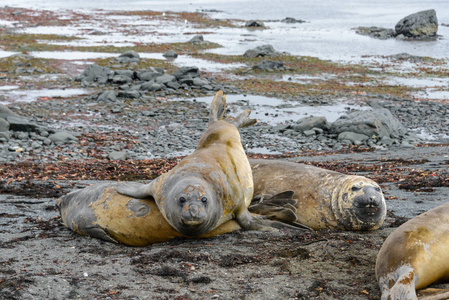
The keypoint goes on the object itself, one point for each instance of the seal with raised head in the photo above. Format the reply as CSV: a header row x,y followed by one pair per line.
x,y
323,198
99,211
212,185
415,255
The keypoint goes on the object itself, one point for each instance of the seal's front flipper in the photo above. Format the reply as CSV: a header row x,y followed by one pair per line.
x,y
250,222
217,108
243,120
280,207
135,189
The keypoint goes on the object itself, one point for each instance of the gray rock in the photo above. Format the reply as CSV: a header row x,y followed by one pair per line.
x,y
200,81
376,32
354,138
95,73
377,122
418,25
197,39
261,51
289,20
308,123
254,23
170,54
187,71
4,125
117,155
151,86
127,73
121,79
268,65
20,124
130,94
309,132
107,96
128,57
4,135
6,112
166,78
148,75
61,137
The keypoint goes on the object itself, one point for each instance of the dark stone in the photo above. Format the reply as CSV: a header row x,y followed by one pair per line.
x,y
130,94
377,122
261,51
308,123
148,75
4,125
197,39
170,54
20,124
292,21
376,32
418,25
267,65
187,71
95,73
254,23
107,96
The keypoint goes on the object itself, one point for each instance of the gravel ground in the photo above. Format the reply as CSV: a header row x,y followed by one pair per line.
x,y
41,259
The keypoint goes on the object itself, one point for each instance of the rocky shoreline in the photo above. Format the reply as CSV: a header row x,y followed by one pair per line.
x,y
138,116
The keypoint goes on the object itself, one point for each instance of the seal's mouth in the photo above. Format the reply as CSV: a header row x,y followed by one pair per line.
x,y
192,222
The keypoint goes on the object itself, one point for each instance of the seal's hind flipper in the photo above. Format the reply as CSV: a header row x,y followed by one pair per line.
x,y
135,189
217,108
78,214
243,120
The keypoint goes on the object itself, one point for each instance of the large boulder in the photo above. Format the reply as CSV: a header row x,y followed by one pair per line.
x,y
307,123
261,51
95,73
377,122
6,112
4,125
418,25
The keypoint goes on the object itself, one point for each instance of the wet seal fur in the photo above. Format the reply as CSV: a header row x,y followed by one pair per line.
x,y
99,211
320,198
212,185
415,255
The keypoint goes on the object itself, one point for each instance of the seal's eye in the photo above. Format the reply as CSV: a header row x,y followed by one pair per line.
x,y
377,189
204,199
182,200
355,189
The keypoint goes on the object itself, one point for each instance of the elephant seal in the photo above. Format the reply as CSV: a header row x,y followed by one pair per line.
x,y
324,198
415,255
99,211
212,185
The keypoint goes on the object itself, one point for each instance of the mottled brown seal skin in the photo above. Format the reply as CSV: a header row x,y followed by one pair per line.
x,y
99,211
415,255
323,198
212,185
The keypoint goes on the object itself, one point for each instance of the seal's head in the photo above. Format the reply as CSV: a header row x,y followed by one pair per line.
x,y
192,207
360,204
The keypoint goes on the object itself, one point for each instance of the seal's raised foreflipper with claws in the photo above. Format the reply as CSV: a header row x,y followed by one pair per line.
x,y
280,207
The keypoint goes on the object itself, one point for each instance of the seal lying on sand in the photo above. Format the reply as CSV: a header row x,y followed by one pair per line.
x,y
415,255
324,198
212,185
100,212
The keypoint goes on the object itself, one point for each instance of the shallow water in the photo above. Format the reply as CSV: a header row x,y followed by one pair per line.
x,y
327,33
274,111
13,95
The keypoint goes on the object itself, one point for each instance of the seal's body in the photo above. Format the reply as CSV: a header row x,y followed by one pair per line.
x,y
99,211
212,185
323,198
415,255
